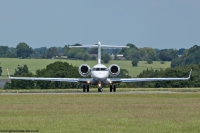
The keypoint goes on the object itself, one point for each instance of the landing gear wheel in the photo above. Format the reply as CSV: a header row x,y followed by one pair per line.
x,y
110,88
83,88
88,88
114,88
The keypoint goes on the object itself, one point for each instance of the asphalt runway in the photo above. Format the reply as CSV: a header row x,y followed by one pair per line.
x,y
90,93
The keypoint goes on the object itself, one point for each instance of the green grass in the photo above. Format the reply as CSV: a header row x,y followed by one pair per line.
x,y
101,113
34,64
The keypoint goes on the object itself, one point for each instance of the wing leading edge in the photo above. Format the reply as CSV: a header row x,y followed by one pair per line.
x,y
126,80
72,80
85,80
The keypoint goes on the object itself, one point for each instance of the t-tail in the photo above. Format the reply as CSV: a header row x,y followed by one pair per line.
x,y
99,46
99,52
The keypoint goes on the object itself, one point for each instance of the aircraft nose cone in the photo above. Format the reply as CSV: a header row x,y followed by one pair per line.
x,y
99,75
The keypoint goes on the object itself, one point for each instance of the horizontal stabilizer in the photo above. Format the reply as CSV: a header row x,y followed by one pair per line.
x,y
102,46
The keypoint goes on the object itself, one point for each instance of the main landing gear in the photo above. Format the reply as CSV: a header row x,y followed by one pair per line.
x,y
112,87
86,88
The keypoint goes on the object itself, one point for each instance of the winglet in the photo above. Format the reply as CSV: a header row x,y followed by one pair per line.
x,y
8,73
190,74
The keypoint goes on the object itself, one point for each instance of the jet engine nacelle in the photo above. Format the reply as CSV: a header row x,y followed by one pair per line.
x,y
84,70
114,70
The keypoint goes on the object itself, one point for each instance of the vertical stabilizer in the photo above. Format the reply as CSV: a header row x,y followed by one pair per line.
x,y
99,52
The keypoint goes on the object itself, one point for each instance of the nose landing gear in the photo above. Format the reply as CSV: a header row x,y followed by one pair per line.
x,y
100,89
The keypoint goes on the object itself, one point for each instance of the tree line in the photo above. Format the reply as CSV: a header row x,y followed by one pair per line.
x,y
23,50
190,56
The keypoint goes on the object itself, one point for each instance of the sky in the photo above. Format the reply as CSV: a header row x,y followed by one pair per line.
x,y
145,23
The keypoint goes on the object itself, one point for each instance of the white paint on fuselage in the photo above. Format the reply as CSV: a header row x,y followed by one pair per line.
x,y
100,73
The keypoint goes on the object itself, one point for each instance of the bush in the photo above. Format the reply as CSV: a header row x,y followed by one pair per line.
x,y
135,62
149,61
162,62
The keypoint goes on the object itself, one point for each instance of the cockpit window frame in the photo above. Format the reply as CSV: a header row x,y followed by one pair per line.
x,y
99,69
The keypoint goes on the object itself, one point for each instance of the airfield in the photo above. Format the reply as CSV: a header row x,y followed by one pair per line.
x,y
124,111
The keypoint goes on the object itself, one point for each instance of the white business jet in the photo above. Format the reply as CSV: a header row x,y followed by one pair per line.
x,y
99,74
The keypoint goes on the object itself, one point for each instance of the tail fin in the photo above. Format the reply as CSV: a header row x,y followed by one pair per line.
x,y
99,53
99,48
8,73
190,74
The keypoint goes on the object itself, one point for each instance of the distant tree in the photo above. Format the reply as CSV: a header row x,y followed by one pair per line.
x,y
77,44
3,51
132,45
40,52
157,50
23,50
52,52
135,62
105,58
12,52
167,54
93,58
57,69
86,57
190,56
80,55
66,49
75,53
115,51
147,53
95,51
181,51
163,55
130,53
21,71
60,50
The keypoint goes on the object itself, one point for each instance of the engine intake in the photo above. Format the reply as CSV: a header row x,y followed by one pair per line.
x,y
114,70
84,70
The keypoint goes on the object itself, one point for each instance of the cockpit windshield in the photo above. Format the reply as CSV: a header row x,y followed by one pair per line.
x,y
99,69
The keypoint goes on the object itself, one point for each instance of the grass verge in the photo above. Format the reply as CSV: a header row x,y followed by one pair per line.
x,y
161,113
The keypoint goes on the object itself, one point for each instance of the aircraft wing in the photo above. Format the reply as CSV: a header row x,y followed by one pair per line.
x,y
126,80
72,80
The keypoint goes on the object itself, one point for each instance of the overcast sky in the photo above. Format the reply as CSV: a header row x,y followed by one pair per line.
x,y
145,23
